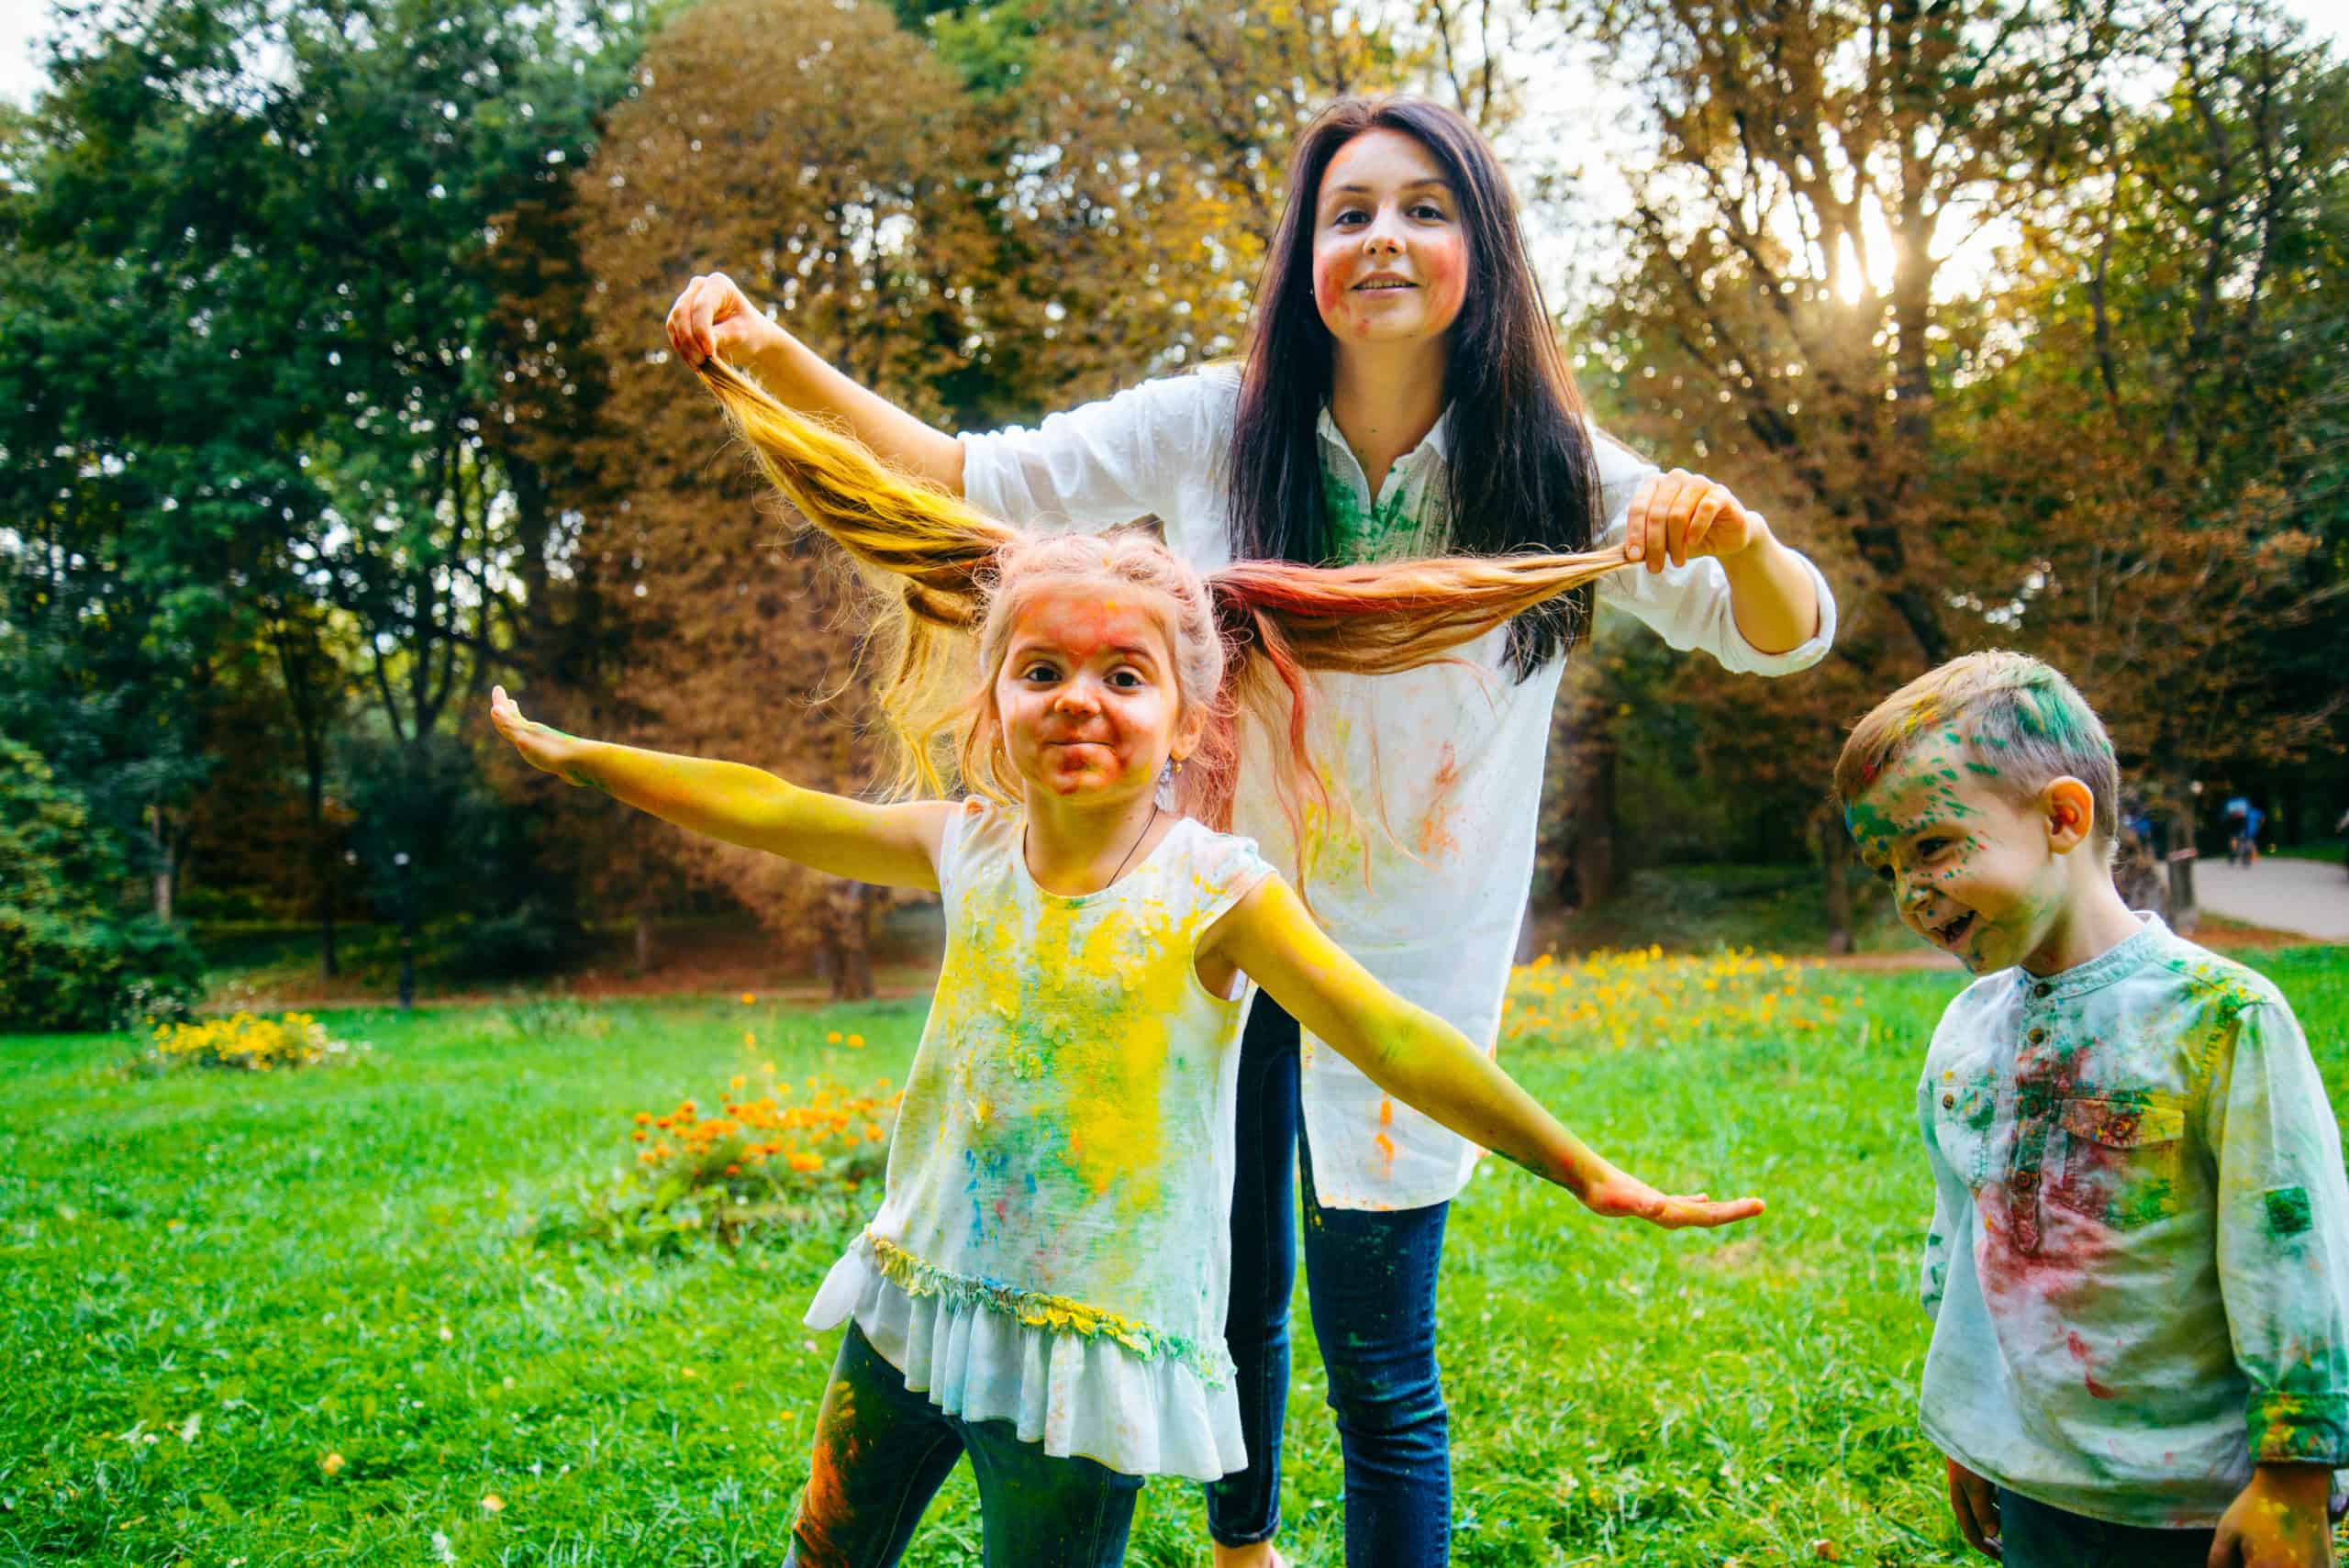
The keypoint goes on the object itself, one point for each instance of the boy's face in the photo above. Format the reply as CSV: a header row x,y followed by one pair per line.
x,y
1973,872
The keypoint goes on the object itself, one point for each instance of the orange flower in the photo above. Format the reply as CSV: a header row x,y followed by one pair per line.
x,y
643,1118
733,1169
833,1038
856,1042
640,1135
749,997
806,1162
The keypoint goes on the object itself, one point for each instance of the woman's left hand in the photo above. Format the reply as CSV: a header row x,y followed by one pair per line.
x,y
1679,515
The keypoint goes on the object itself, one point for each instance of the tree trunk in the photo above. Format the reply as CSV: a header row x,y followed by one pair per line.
x,y
643,943
322,858
845,947
1596,871
167,846
2183,915
1835,865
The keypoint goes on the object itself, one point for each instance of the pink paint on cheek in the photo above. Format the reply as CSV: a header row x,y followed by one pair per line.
x,y
1330,268
1444,271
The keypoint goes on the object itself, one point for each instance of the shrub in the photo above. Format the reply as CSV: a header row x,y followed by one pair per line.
x,y
249,1042
784,1159
67,961
1643,996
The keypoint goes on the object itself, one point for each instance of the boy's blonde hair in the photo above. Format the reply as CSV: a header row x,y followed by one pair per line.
x,y
2020,724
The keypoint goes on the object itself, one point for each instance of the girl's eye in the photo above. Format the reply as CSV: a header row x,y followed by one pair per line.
x,y
1125,680
1039,672
1429,211
1930,849
1883,874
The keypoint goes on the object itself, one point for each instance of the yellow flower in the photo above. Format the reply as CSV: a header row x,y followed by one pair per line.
x,y
749,997
833,1038
856,1042
332,1465
493,1503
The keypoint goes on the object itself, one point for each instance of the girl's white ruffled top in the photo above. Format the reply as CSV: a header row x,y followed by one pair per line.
x,y
1053,1247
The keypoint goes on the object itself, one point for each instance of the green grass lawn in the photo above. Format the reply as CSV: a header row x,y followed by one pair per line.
x,y
215,1280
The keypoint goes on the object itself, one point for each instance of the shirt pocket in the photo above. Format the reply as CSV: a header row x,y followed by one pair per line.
x,y
2122,1158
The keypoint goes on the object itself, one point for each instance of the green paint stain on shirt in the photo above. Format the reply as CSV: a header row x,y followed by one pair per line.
x,y
1358,534
2287,1212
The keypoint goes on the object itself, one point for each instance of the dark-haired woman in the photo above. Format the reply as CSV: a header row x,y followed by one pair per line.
x,y
1402,394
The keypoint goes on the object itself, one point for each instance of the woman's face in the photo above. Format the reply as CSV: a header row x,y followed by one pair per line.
x,y
1390,257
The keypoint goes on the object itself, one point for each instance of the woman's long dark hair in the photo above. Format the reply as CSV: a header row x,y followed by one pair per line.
x,y
1522,475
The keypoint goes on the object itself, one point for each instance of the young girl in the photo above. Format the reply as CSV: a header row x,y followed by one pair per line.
x,y
1044,1285
1402,394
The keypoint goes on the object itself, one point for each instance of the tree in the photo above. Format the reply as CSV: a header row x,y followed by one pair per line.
x,y
2157,464
1790,315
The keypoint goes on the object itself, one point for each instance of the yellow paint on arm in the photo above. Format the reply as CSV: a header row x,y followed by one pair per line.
x,y
1426,1062
1404,1049
892,845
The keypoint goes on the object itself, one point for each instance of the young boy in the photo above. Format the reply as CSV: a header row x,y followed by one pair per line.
x,y
2138,1269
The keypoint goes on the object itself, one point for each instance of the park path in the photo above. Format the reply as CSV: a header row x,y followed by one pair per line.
x,y
2310,897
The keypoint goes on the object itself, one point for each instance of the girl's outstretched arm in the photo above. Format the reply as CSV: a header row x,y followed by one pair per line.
x,y
712,316
896,846
1425,1062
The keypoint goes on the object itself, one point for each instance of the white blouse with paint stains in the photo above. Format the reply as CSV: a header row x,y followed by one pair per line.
x,y
1449,757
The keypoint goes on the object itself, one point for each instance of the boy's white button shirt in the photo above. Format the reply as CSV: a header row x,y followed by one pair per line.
x,y
1449,758
2138,1265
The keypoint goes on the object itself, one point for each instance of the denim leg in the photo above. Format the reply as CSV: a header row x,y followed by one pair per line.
x,y
2034,1534
882,1453
1245,1506
1370,1278
1036,1511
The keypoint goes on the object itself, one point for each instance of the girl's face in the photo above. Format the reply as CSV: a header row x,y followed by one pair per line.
x,y
1390,259
1087,694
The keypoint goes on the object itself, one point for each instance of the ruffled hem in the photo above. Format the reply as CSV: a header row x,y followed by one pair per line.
x,y
1077,1394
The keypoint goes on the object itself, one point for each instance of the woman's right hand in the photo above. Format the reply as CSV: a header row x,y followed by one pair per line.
x,y
713,316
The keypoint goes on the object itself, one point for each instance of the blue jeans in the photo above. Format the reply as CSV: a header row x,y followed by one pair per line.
x,y
2034,1534
1369,1278
883,1450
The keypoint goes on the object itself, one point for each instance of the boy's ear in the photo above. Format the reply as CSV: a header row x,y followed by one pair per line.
x,y
2069,807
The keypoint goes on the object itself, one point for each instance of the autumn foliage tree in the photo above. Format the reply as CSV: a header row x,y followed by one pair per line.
x,y
983,219
1813,309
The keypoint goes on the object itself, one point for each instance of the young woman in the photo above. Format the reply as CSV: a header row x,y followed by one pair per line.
x,y
1403,393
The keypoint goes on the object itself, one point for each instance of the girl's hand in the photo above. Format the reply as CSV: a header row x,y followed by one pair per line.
x,y
2278,1521
549,750
713,316
1617,1195
1679,516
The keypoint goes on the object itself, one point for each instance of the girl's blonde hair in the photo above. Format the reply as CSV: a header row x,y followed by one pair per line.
x,y
1245,638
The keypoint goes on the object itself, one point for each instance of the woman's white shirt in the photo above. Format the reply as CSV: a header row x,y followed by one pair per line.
x,y
1448,758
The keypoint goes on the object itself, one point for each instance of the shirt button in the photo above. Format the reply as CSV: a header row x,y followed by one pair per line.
x,y
2037,1037
2023,1180
1949,1102
2042,989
